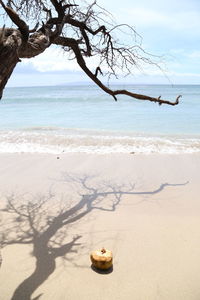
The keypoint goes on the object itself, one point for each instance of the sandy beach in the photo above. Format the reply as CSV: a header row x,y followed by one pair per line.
x,y
56,209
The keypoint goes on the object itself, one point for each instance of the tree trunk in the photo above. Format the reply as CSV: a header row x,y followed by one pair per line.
x,y
13,46
44,268
10,41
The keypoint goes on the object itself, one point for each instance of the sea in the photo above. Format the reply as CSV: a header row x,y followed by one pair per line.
x,y
83,119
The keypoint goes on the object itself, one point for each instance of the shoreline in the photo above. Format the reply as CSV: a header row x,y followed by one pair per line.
x,y
61,140
145,208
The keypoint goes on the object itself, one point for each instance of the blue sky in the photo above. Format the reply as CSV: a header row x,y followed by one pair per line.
x,y
169,28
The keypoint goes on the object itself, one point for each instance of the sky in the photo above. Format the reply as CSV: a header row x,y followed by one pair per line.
x,y
169,28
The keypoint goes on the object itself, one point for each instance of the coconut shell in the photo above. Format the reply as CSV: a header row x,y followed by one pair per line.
x,y
102,259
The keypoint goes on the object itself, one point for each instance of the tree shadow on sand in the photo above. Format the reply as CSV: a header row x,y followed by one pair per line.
x,y
33,223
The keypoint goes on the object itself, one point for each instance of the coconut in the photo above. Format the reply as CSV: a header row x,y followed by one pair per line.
x,y
102,259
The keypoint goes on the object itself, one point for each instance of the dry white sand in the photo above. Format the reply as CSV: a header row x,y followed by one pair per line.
x,y
145,208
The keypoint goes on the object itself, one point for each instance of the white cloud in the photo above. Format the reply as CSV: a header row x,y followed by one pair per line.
x,y
53,59
184,74
176,20
177,51
194,55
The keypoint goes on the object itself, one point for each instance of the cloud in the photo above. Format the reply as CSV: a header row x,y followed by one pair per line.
x,y
194,55
176,20
53,59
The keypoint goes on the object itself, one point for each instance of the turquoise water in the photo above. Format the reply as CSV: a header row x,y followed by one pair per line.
x,y
85,119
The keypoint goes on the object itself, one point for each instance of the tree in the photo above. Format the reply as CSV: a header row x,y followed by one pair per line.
x,y
83,30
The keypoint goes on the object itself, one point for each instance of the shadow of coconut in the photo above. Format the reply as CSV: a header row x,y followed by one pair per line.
x,y
103,272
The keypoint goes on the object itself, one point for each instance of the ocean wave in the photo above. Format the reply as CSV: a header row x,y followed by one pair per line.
x,y
57,141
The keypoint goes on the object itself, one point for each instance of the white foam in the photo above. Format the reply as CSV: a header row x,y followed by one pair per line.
x,y
82,141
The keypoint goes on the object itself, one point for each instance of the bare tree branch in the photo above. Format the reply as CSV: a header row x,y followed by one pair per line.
x,y
23,27
80,60
84,31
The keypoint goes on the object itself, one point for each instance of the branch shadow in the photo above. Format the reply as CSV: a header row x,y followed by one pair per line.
x,y
32,223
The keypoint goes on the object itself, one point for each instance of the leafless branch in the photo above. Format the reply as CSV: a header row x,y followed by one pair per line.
x,y
23,27
84,31
80,60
